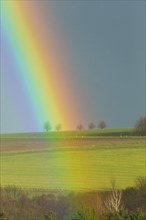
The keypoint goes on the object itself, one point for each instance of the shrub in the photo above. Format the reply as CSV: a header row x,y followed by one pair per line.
x,y
125,215
85,214
50,216
2,216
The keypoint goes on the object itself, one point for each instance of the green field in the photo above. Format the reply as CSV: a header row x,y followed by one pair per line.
x,y
108,132
85,160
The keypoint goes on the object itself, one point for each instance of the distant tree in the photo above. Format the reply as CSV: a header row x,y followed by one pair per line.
x,y
47,126
140,126
80,127
102,125
58,127
91,126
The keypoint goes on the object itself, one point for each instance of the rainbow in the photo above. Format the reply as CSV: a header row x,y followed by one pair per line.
x,y
39,66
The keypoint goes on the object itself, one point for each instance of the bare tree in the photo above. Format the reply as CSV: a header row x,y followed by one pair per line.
x,y
141,184
114,200
140,126
80,127
91,126
141,188
102,125
47,126
58,127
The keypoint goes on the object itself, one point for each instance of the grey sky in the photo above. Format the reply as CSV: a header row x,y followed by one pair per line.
x,y
107,40
106,43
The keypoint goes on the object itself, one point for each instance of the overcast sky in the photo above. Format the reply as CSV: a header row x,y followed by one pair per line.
x,y
106,40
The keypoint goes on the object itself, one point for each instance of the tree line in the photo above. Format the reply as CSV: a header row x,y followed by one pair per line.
x,y
114,204
140,126
91,126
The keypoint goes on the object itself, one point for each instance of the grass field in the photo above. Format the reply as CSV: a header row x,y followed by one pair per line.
x,y
85,160
108,132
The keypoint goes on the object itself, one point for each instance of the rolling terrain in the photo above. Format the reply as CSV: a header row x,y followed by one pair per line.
x,y
77,160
